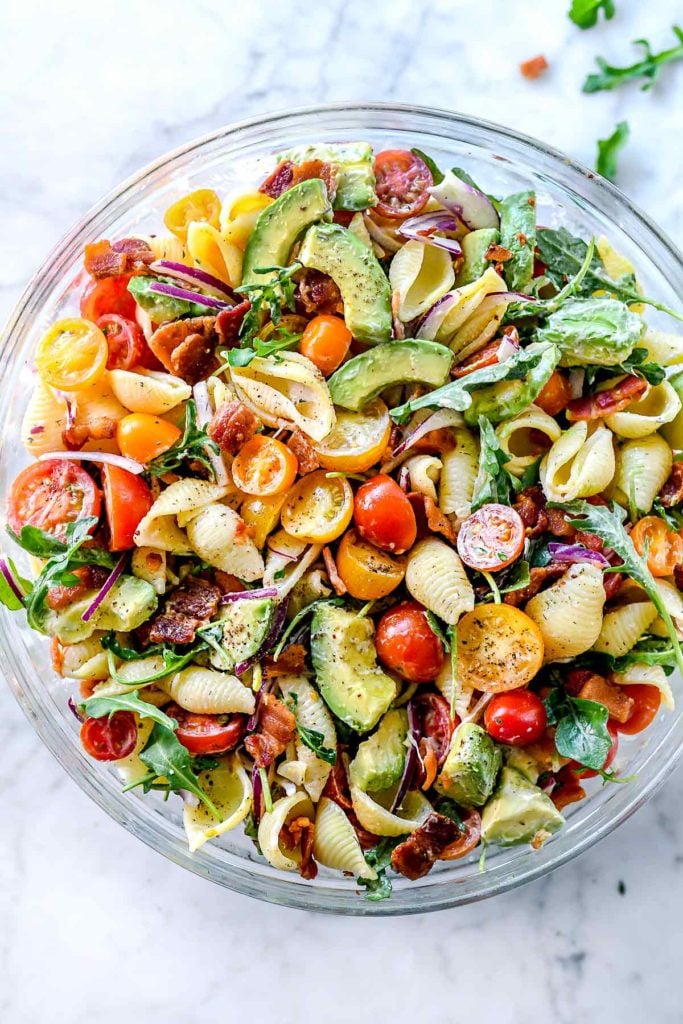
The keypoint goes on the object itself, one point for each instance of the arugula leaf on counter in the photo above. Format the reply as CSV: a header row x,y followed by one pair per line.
x,y
584,13
379,858
611,77
194,446
608,150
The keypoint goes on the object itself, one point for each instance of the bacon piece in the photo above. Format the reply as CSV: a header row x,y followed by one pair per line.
x,y
227,583
612,696
186,348
534,67
292,662
276,727
337,789
605,403
92,577
567,789
336,582
531,507
430,518
539,576
576,678
100,429
434,442
305,452
317,293
498,254
300,832
229,322
417,854
279,181
187,607
102,259
232,426
287,174
672,492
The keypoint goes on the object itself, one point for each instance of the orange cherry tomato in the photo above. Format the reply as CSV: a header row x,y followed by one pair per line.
x,y
366,572
491,538
127,499
384,516
325,341
318,509
142,437
264,465
499,648
555,395
664,546
646,705
357,440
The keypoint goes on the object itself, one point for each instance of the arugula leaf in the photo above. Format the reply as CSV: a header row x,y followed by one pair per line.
x,y
608,150
379,858
204,763
298,618
315,740
194,446
516,577
534,308
7,595
274,295
437,175
98,707
493,482
581,733
584,13
651,651
438,630
167,758
673,517
172,660
280,339
649,68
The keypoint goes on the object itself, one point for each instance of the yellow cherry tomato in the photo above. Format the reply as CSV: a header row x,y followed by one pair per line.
x,y
318,509
264,465
203,204
357,440
142,437
261,515
72,354
367,572
249,202
499,648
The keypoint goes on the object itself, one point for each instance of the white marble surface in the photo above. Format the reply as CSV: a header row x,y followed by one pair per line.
x,y
94,927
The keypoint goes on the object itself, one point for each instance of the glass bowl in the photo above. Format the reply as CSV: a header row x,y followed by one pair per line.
x,y
239,156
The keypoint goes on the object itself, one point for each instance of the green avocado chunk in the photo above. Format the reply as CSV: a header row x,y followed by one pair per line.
x,y
280,225
469,772
244,625
353,164
518,811
598,331
362,378
364,286
129,603
380,759
507,398
518,235
673,432
474,248
343,652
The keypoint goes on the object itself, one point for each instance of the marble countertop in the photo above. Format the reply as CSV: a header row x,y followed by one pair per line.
x,y
93,925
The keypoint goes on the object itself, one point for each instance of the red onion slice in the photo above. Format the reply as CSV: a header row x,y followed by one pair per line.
x,y
576,553
428,326
439,419
192,276
106,458
473,208
108,584
507,349
423,227
10,580
257,791
412,758
250,595
186,295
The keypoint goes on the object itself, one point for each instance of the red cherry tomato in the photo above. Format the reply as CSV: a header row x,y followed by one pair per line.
x,y
125,341
647,700
588,773
111,737
407,644
516,718
127,499
207,734
384,516
402,180
51,494
435,717
491,538
110,295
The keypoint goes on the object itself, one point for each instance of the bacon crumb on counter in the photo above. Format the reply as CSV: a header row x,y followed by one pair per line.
x,y
534,67
305,452
275,728
232,426
417,854
606,403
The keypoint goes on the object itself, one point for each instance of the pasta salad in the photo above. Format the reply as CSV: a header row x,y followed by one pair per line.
x,y
355,513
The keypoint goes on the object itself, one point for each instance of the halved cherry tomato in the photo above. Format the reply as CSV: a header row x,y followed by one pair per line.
x,y
664,546
357,439
111,737
491,538
555,395
588,773
467,841
326,341
72,354
407,644
402,180
646,705
499,648
125,341
384,516
264,465
516,718
127,498
366,572
201,205
318,508
207,734
51,494
487,356
435,718
142,437
110,295
262,514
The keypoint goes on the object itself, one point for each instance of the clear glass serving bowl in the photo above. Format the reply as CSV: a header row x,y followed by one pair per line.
x,y
239,156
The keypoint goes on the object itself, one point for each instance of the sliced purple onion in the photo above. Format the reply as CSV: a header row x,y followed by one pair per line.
x,y
185,295
576,553
412,758
250,595
10,580
507,349
106,458
473,208
257,794
73,708
71,407
252,721
272,638
428,326
39,429
439,419
108,584
200,393
191,275
423,227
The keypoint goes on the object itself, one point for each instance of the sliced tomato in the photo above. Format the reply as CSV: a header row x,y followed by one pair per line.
x,y
72,354
127,499
435,719
407,644
125,341
486,356
357,440
384,516
207,734
109,295
402,180
516,718
366,572
647,700
111,737
664,547
318,508
50,495
264,466
491,538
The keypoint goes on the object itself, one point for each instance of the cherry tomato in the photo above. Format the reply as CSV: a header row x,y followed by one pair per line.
x,y
111,737
384,516
110,295
467,841
516,718
264,465
435,717
646,705
318,508
72,354
555,395
51,494
326,341
588,773
201,205
142,437
357,439
127,500
407,644
664,546
262,514
207,734
125,341
499,648
402,180
491,538
366,572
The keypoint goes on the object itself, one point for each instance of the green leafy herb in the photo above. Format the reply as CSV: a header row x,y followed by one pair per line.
x,y
637,364
379,858
524,309
673,517
167,758
315,741
280,339
272,297
449,809
298,618
195,445
650,651
518,236
584,13
437,175
649,68
495,592
7,596
171,659
515,578
438,630
493,482
204,763
267,795
581,728
98,707
608,150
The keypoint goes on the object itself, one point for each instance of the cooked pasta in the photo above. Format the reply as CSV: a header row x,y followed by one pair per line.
x,y
149,391
420,274
336,843
44,420
622,627
424,472
569,613
218,535
210,251
229,789
311,713
663,348
376,818
150,565
642,467
467,300
270,828
648,675
289,392
207,692
579,464
435,576
659,405
517,440
458,474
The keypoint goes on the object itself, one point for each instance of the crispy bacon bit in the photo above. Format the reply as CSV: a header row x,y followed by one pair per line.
x,y
305,452
432,443
576,678
336,582
57,655
279,181
276,727
430,518
417,854
343,217
399,329
92,577
612,696
531,506
672,492
287,174
100,429
102,259
605,403
300,832
567,789
187,347
539,577
317,293
228,583
229,322
292,662
497,254
232,426
337,789
187,607
534,67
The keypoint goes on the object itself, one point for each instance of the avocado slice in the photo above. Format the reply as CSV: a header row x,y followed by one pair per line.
x,y
469,772
474,248
519,759
129,603
518,811
380,759
67,624
245,626
364,286
281,224
345,661
362,378
354,167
